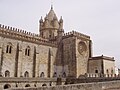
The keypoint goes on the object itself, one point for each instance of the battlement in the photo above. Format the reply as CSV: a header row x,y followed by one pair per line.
x,y
77,34
15,33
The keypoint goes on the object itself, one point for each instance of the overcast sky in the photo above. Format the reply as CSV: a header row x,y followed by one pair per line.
x,y
98,18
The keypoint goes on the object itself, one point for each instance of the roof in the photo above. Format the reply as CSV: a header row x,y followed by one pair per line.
x,y
102,57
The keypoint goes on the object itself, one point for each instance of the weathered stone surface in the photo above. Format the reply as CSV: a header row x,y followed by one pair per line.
x,y
113,85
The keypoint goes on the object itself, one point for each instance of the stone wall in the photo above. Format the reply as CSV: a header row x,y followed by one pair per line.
x,y
22,82
69,56
101,65
17,62
113,85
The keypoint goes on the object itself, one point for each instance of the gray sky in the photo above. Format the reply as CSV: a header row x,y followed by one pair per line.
x,y
98,18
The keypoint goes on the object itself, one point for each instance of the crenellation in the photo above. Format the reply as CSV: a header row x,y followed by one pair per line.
x,y
5,27
77,34
18,30
8,27
22,34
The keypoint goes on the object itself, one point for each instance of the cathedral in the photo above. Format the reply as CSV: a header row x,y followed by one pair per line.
x,y
50,54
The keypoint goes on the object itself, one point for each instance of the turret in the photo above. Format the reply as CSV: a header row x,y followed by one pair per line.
x,y
41,23
46,22
50,27
55,23
61,30
61,23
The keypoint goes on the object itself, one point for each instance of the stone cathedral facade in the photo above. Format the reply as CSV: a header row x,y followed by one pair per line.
x,y
49,54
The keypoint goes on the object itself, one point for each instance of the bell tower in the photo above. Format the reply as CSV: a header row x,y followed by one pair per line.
x,y
50,27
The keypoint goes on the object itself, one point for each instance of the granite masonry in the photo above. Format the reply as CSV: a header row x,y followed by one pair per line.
x,y
48,55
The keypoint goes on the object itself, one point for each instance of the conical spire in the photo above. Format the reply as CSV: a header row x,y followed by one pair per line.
x,y
51,7
51,14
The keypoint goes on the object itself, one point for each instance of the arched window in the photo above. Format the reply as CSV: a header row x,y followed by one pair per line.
x,y
55,74
7,73
9,48
42,74
27,51
64,75
26,74
6,86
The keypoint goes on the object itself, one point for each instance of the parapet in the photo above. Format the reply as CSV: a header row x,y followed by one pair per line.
x,y
77,34
19,34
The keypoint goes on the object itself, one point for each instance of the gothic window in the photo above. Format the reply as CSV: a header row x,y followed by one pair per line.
x,y
9,48
64,74
111,71
27,51
7,73
55,74
96,71
107,71
26,74
42,74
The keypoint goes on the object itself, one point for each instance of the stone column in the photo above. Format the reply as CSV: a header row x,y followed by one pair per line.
x,y
34,62
20,62
1,60
49,63
16,60
37,64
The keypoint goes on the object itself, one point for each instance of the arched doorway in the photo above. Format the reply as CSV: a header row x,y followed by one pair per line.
x,y
27,85
6,86
44,84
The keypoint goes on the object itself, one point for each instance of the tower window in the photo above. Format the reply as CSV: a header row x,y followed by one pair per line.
x,y
27,51
9,48
7,73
